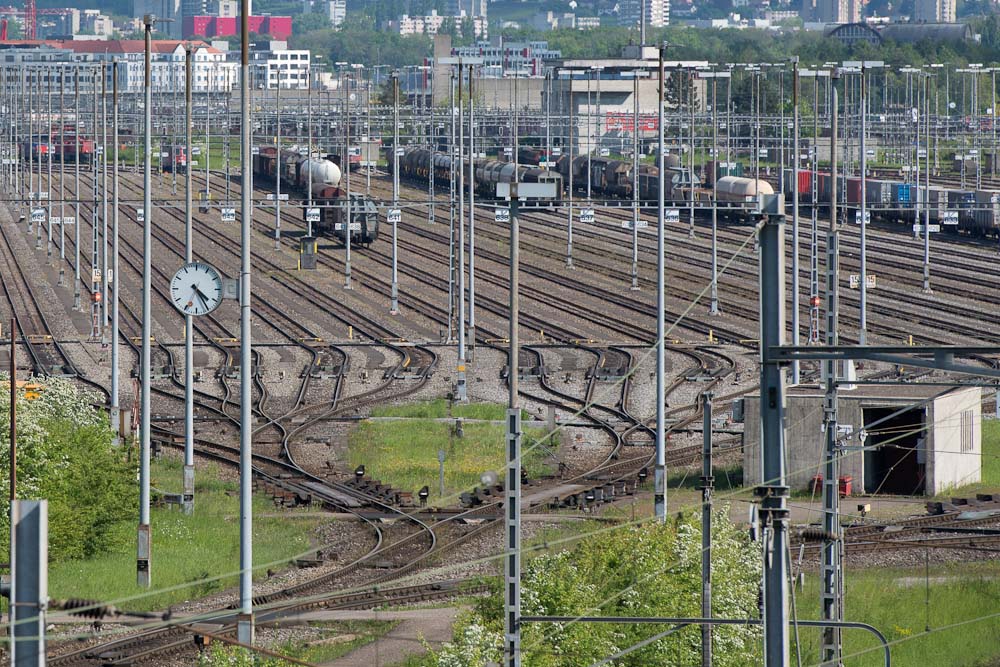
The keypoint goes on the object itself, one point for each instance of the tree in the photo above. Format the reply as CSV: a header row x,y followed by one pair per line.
x,y
652,570
309,22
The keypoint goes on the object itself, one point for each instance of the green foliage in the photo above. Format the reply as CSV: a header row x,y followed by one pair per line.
x,y
363,632
652,570
65,455
438,409
193,555
310,21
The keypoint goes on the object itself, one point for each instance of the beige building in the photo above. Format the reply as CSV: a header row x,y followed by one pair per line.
x,y
934,11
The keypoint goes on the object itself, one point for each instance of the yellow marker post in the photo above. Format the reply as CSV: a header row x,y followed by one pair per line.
x,y
350,332
711,337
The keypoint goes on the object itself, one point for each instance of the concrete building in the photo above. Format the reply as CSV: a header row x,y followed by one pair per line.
x,y
588,22
337,12
934,444
273,64
163,9
433,23
657,13
831,11
501,59
934,11
467,7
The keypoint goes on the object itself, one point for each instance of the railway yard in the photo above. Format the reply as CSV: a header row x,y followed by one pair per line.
x,y
333,362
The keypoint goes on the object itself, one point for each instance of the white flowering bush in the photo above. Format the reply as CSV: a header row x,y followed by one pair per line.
x,y
651,570
65,455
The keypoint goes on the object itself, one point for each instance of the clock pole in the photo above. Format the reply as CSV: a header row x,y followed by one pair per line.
x,y
245,624
188,322
144,538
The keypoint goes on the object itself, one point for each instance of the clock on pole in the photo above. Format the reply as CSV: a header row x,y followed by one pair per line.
x,y
196,289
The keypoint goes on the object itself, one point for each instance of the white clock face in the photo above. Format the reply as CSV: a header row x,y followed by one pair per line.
x,y
196,289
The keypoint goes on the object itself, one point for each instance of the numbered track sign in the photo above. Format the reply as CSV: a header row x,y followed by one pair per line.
x,y
587,215
950,217
229,215
140,215
394,215
502,215
868,217
38,215
871,281
312,215
355,226
671,215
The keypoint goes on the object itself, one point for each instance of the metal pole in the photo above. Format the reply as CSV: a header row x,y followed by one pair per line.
x,y
277,157
144,551
927,176
345,164
707,484
95,248
713,308
48,140
461,391
795,213
691,91
773,510
32,191
862,286
512,500
830,569
104,201
77,305
62,173
660,471
569,199
394,306
245,624
814,226
115,407
29,587
635,180
472,217
451,208
188,319
13,411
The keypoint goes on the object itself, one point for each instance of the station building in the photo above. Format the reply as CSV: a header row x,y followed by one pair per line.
x,y
932,445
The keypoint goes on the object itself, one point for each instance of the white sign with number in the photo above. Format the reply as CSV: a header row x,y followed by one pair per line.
x,y
870,281
605,152
868,217
394,215
96,276
312,215
229,215
587,215
55,221
38,215
920,228
355,226
69,221
672,215
949,217
502,215
627,224
140,215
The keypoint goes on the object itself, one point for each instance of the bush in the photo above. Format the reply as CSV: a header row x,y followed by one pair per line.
x,y
65,455
652,570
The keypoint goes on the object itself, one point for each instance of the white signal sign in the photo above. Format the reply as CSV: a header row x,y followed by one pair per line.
x,y
501,215
355,227
38,215
587,215
140,215
921,152
761,152
394,215
949,217
312,215
111,276
164,154
194,163
605,152
44,194
55,221
400,151
71,220
627,224
196,150
283,197
229,215
255,150
870,281
868,217
920,228
557,151
96,276
671,215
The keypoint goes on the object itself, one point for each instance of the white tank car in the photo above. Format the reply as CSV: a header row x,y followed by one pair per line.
x,y
739,189
324,172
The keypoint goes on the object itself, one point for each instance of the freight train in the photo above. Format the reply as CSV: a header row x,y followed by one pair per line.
x,y
327,194
976,212
417,163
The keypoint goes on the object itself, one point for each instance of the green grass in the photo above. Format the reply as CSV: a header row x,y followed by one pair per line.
x,y
404,453
365,633
881,597
185,549
438,409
